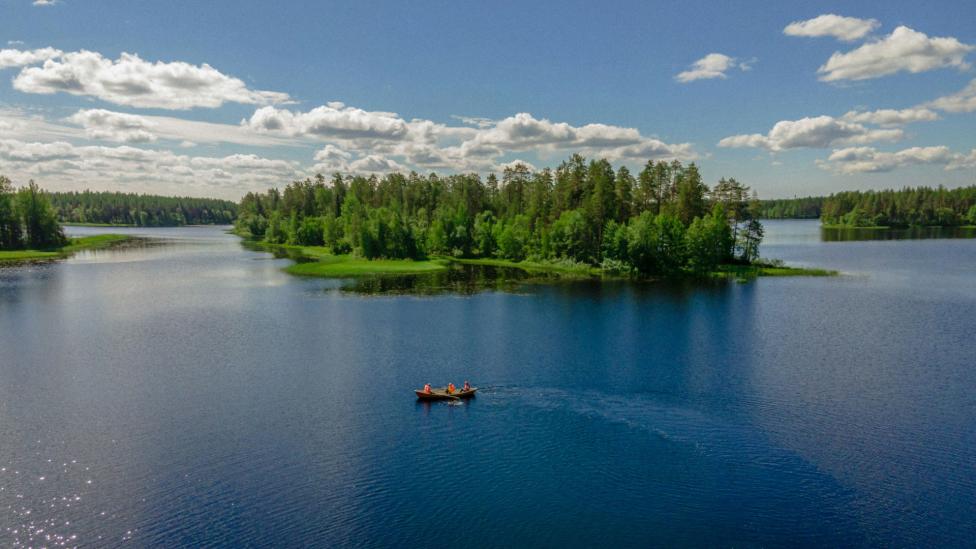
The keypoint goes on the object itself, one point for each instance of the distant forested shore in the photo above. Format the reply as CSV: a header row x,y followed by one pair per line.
x,y
908,207
663,221
140,210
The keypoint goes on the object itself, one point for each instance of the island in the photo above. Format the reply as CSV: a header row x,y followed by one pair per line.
x,y
584,219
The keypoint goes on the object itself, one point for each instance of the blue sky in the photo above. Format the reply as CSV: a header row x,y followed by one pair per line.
x,y
218,98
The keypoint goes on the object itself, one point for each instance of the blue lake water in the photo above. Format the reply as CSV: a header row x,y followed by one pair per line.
x,y
189,393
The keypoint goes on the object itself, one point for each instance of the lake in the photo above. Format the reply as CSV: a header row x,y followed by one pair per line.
x,y
186,392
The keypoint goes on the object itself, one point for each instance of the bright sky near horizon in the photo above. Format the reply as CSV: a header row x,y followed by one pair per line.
x,y
218,98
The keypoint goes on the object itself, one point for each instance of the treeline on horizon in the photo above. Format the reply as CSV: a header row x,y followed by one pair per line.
x,y
27,219
141,210
907,207
664,220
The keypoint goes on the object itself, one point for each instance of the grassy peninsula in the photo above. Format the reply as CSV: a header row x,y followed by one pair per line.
x,y
74,245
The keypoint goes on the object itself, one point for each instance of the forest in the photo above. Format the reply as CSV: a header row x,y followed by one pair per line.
x,y
141,210
908,207
662,221
27,219
792,208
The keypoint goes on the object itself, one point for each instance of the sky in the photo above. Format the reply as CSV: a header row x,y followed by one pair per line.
x,y
219,98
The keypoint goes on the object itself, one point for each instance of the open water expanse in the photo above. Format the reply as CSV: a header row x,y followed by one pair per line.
x,y
186,392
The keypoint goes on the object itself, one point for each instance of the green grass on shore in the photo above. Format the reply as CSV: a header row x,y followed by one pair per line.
x,y
97,225
848,227
749,271
99,241
346,266
319,261
561,268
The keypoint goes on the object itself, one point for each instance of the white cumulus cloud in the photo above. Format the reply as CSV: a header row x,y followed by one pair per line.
x,y
905,49
962,101
114,126
61,165
713,65
843,28
18,58
132,81
384,136
333,120
870,160
892,117
818,132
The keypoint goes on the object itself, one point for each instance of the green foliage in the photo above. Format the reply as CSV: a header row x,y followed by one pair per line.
x,y
311,232
792,208
27,219
709,240
10,227
908,207
661,223
143,210
571,236
513,238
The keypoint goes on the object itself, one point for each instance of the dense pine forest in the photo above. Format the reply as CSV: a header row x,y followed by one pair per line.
x,y
142,210
908,207
663,220
27,219
792,208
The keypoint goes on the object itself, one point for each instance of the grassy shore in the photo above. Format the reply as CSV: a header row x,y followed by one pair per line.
x,y
847,227
561,268
346,266
319,261
750,271
97,225
99,241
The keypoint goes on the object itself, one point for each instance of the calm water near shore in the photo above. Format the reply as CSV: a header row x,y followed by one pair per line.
x,y
189,393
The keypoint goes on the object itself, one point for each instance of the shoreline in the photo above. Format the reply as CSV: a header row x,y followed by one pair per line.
x,y
319,262
77,244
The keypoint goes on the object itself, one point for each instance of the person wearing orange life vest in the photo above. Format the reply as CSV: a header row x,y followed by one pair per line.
x,y
450,388
427,388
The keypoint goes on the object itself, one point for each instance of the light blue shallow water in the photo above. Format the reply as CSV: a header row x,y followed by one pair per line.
x,y
189,393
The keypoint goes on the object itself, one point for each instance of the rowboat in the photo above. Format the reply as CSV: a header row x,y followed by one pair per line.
x,y
440,393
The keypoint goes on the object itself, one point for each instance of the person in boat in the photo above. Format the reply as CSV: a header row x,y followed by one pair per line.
x,y
427,388
450,388
467,386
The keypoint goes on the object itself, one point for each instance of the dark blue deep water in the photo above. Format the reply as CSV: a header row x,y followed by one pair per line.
x,y
189,393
